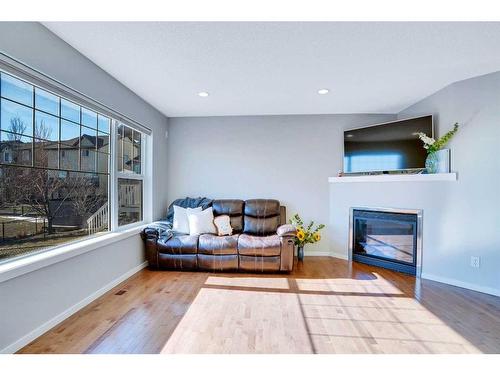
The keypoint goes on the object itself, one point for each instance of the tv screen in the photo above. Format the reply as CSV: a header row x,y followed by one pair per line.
x,y
392,146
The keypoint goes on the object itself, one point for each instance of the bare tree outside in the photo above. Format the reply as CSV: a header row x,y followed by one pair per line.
x,y
17,127
48,192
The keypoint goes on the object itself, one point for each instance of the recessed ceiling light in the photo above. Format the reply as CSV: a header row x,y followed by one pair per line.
x,y
203,94
323,91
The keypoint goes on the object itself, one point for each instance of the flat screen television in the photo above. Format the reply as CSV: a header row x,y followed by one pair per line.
x,y
387,147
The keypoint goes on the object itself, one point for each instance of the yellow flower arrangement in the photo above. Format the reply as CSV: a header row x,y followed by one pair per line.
x,y
305,234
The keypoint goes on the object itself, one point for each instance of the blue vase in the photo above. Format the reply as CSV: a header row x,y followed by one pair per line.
x,y
300,252
431,163
438,161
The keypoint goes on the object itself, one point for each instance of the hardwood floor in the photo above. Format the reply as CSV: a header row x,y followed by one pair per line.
x,y
326,305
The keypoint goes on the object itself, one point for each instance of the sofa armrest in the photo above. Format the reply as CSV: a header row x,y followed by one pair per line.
x,y
150,237
150,234
287,233
286,230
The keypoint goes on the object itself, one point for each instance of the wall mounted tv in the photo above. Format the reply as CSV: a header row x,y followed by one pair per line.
x,y
383,148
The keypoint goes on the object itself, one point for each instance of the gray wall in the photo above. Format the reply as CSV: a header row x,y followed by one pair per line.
x,y
288,158
31,300
469,209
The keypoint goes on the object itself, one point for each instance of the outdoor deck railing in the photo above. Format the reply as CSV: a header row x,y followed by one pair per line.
x,y
99,220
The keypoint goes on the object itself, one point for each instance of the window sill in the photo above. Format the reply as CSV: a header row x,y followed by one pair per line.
x,y
58,254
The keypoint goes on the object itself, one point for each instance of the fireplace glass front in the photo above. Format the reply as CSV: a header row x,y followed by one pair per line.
x,y
387,239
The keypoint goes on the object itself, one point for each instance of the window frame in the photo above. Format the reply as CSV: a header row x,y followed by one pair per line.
x,y
46,84
146,216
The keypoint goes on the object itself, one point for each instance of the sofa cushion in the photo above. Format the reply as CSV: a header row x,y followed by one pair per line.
x,y
201,222
181,223
233,208
218,262
218,245
223,225
262,216
259,264
178,262
179,244
259,246
262,207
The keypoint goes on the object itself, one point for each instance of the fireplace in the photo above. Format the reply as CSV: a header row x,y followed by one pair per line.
x,y
387,237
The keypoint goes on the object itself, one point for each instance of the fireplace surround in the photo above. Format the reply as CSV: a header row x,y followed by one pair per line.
x,y
386,237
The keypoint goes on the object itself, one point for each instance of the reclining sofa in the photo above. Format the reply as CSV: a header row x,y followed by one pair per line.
x,y
260,242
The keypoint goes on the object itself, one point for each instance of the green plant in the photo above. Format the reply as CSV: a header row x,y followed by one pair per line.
x,y
305,234
432,145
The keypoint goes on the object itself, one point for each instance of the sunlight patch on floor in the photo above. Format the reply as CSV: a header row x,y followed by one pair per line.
x,y
375,286
249,282
235,321
232,320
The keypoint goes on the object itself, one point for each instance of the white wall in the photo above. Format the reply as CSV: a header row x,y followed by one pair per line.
x,y
288,158
30,303
469,209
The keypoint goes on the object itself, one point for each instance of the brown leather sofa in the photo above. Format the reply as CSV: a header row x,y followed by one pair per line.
x,y
261,241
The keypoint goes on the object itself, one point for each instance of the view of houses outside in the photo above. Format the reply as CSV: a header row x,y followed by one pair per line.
x,y
54,169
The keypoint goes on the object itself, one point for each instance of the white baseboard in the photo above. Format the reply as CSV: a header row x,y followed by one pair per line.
x,y
317,254
340,256
461,284
25,340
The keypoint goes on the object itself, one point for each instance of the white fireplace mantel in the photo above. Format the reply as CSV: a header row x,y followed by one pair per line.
x,y
395,178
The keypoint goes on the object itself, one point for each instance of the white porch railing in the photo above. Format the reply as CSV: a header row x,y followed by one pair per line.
x,y
99,220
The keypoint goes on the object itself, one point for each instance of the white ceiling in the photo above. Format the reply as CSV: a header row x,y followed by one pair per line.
x,y
276,68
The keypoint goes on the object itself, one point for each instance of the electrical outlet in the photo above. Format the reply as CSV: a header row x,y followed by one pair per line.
x,y
475,261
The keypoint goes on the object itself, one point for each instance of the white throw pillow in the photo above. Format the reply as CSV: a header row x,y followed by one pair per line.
x,y
181,223
201,222
223,224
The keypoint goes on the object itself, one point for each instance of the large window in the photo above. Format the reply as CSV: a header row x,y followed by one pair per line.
x,y
55,183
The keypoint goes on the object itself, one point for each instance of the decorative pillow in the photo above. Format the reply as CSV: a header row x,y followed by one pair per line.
x,y
223,224
201,222
181,223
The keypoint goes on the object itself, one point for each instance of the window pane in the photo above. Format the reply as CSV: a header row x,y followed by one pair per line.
x,y
104,124
102,142
46,154
88,160
70,111
127,150
16,118
119,147
15,149
46,126
17,90
70,133
88,138
68,157
102,162
129,201
136,167
47,102
89,118
31,193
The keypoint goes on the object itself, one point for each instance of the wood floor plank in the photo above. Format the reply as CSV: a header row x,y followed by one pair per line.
x,y
326,305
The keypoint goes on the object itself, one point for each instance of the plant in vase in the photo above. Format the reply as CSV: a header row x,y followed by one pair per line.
x,y
434,149
305,234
